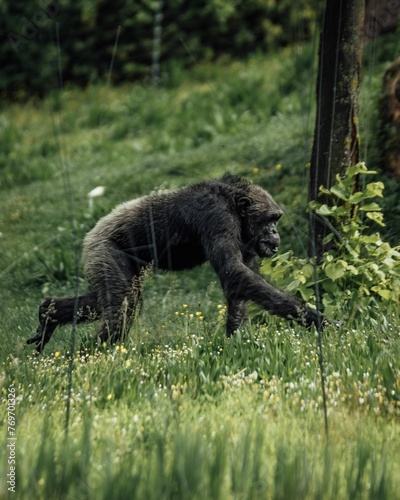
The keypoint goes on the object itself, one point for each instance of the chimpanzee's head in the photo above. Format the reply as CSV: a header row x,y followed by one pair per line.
x,y
260,215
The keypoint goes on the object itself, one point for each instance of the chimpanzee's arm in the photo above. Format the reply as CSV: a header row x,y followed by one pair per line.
x,y
241,284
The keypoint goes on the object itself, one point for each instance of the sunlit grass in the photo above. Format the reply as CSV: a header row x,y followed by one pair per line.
x,y
279,365
205,415
180,411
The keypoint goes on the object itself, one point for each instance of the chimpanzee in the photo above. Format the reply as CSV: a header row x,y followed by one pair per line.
x,y
228,222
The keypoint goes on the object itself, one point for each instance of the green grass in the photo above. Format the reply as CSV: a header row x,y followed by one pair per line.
x,y
178,410
191,413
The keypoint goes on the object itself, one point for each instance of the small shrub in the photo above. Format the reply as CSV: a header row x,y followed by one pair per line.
x,y
360,269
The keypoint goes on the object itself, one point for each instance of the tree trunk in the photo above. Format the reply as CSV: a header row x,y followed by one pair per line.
x,y
389,126
336,140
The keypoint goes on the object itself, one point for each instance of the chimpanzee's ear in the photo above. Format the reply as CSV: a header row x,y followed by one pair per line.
x,y
243,204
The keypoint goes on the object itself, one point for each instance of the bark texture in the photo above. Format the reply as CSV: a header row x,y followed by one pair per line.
x,y
336,139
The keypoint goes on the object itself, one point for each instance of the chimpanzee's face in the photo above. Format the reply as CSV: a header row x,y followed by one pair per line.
x,y
267,241
260,214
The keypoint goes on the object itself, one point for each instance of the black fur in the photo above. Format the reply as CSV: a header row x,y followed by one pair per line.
x,y
228,222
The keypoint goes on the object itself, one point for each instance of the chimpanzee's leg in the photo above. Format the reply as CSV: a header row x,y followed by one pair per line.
x,y
119,313
55,312
118,295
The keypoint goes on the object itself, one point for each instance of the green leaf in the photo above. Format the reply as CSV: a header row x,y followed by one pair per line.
x,y
306,293
371,238
335,270
352,251
353,270
294,285
329,286
308,270
360,168
382,292
323,190
357,198
299,276
325,210
371,207
328,238
374,189
376,217
340,191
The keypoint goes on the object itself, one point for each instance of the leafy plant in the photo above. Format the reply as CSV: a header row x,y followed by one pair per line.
x,y
359,269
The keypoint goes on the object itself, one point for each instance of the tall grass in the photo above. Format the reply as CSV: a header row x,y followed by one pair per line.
x,y
199,454
185,412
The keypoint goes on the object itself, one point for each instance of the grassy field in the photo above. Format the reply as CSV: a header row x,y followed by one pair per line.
x,y
178,410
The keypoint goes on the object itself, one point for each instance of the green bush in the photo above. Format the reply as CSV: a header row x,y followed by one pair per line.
x,y
359,269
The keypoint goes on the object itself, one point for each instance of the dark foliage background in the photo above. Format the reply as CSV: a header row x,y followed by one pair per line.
x,y
191,31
